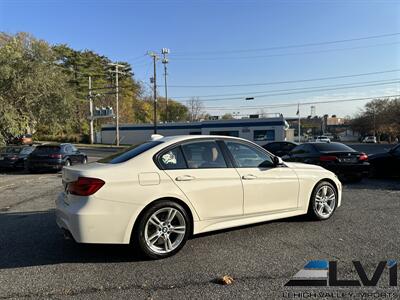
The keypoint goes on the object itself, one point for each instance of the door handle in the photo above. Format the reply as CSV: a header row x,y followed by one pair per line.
x,y
184,178
249,177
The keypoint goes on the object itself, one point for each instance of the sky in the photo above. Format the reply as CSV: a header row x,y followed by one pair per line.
x,y
235,49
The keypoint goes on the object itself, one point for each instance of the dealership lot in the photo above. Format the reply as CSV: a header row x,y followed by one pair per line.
x,y
36,261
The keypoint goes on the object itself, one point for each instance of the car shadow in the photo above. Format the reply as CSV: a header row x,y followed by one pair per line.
x,y
13,172
374,184
33,239
296,219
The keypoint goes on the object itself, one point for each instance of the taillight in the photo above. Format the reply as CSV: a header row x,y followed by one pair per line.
x,y
363,157
55,155
85,186
327,158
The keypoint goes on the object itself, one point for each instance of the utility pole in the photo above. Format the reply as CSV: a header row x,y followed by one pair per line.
x,y
117,72
91,110
154,79
298,114
165,52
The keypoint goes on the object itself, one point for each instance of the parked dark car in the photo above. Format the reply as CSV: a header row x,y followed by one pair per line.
x,y
14,157
386,164
54,157
345,162
280,148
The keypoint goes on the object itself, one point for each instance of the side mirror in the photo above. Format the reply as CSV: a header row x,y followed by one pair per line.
x,y
278,161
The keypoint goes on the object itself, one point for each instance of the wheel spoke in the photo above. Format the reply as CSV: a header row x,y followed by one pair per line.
x,y
167,244
179,229
331,197
171,215
155,221
321,209
328,208
318,198
324,190
154,238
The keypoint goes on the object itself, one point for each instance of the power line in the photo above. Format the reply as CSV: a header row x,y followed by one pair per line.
x,y
281,105
280,54
290,46
244,94
285,82
302,92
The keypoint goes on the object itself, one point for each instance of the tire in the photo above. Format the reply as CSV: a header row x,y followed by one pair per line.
x,y
67,163
320,196
151,240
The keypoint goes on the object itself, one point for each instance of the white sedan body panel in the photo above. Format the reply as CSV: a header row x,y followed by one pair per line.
x,y
216,198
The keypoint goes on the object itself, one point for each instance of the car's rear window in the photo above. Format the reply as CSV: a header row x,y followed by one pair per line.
x,y
129,153
333,147
47,149
10,150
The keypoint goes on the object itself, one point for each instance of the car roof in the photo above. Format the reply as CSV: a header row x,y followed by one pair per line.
x,y
179,138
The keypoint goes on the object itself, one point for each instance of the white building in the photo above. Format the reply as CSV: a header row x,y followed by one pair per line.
x,y
260,131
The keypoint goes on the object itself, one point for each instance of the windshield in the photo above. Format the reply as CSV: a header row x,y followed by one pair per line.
x,y
333,147
129,153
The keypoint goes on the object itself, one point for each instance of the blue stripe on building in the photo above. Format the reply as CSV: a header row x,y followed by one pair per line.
x,y
197,126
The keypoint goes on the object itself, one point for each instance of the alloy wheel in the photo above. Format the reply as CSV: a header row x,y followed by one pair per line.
x,y
165,230
325,201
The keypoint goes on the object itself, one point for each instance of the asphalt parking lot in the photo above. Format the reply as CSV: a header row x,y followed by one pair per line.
x,y
36,261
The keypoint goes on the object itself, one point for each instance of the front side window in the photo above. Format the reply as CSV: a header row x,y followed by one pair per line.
x,y
247,156
68,149
202,155
26,150
47,149
300,149
173,159
264,135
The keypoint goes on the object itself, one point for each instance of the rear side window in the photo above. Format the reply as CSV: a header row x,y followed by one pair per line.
x,y
272,147
173,159
129,153
333,147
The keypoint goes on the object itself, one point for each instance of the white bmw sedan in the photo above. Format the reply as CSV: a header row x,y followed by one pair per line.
x,y
158,194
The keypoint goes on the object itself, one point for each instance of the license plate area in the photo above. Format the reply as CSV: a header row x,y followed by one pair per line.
x,y
348,160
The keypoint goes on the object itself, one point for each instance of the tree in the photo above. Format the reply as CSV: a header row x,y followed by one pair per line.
x,y
380,117
195,107
227,116
34,92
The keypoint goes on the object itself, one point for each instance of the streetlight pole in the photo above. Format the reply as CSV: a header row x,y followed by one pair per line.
x,y
165,52
117,72
155,57
91,111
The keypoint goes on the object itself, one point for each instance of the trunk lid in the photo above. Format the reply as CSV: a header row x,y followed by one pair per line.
x,y
343,157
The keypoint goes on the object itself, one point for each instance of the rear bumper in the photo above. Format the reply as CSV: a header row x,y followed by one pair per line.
x,y
5,164
361,169
45,165
96,221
